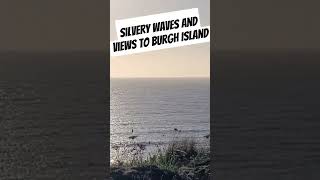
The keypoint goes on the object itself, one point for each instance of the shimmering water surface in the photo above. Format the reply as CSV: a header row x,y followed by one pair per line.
x,y
152,109
266,116
52,116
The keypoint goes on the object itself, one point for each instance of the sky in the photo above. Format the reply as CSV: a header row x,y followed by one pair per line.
x,y
187,61
81,24
267,24
53,25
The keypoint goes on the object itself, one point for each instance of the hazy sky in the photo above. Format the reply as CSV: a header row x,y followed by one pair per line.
x,y
188,61
268,24
81,24
53,25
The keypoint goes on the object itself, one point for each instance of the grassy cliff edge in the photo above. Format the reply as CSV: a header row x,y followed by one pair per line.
x,y
180,160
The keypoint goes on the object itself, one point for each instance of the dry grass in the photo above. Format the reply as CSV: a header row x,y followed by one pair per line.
x,y
180,157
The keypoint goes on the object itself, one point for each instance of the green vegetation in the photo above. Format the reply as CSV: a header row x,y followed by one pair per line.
x,y
179,160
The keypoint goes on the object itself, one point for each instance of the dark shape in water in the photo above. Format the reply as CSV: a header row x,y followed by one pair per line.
x,y
132,137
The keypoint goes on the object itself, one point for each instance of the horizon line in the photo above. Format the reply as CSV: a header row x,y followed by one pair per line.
x,y
163,77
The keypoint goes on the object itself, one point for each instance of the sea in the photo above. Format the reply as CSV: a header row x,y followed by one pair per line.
x,y
265,119
158,112
264,114
53,115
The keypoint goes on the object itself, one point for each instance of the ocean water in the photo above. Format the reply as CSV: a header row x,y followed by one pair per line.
x,y
52,116
151,109
266,115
